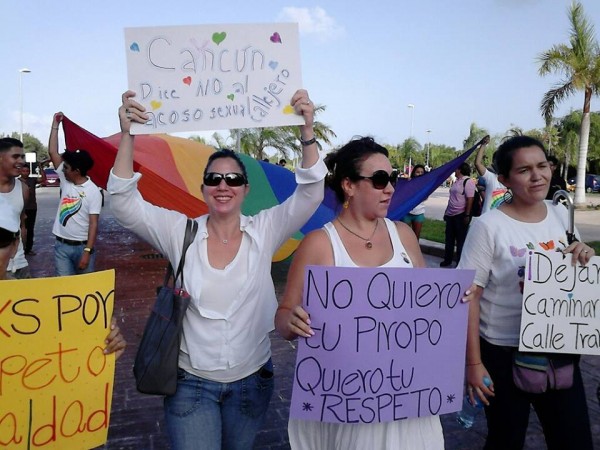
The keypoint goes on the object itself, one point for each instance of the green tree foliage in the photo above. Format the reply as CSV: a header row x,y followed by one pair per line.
x,y
440,155
199,139
579,63
285,140
31,144
475,135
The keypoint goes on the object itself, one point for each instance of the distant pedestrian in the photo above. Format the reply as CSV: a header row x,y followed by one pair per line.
x,y
458,214
282,162
31,205
18,267
557,182
416,216
76,223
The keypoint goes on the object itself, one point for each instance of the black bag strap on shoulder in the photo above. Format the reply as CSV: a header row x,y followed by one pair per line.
x,y
191,227
465,186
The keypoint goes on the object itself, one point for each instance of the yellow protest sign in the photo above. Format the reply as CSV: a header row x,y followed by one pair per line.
x,y
55,382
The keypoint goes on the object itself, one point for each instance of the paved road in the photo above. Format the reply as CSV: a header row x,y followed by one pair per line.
x,y
136,419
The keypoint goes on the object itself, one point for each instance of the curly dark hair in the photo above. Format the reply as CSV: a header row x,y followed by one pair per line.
x,y
346,162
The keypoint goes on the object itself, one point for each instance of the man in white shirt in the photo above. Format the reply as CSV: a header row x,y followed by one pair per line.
x,y
76,223
494,190
13,196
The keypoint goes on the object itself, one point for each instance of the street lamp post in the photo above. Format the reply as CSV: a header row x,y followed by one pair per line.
x,y
428,148
21,72
412,116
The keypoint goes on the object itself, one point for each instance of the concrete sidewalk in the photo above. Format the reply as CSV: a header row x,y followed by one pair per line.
x,y
137,420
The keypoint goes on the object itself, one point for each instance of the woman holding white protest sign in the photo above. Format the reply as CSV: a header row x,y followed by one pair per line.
x,y
496,247
360,236
225,377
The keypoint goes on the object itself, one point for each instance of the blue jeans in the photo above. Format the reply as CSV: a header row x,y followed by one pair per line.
x,y
213,416
66,259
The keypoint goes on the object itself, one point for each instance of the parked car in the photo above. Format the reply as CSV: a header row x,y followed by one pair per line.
x,y
592,183
52,178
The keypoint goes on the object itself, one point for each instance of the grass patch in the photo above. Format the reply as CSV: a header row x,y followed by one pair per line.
x,y
595,245
434,230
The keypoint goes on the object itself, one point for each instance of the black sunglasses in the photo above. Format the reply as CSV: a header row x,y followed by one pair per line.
x,y
233,179
381,178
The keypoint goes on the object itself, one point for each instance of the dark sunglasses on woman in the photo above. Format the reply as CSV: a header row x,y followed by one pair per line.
x,y
381,178
233,179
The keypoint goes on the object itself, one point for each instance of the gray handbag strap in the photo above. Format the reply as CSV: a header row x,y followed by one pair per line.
x,y
190,233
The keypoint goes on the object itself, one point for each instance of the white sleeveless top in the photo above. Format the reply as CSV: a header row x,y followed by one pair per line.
x,y
11,206
424,433
341,257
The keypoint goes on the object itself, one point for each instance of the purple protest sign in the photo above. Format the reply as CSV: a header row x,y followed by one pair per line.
x,y
389,344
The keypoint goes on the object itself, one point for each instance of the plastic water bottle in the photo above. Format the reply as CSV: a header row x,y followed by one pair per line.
x,y
466,417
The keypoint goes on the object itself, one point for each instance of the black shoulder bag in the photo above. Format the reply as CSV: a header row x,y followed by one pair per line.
x,y
156,361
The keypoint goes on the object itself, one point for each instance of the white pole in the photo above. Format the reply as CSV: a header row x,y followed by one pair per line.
x,y
21,72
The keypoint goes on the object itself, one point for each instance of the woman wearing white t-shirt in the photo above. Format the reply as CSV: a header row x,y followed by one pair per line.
x,y
496,247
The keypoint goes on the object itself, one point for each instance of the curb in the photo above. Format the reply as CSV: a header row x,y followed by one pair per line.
x,y
432,248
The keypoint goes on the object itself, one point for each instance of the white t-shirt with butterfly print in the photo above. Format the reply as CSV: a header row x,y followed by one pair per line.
x,y
496,247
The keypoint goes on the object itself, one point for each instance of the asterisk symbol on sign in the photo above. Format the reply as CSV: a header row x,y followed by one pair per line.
x,y
450,398
307,406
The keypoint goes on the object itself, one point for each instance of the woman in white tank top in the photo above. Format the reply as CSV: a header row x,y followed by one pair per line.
x,y
360,236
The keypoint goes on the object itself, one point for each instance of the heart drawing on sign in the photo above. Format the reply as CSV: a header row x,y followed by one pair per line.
x,y
275,38
219,37
134,47
231,97
155,104
288,109
187,80
273,64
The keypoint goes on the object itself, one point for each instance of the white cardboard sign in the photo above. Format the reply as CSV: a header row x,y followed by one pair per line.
x,y
212,77
561,305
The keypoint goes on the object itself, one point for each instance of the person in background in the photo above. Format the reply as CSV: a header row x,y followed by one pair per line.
x,y
31,205
494,190
360,236
496,247
282,162
226,374
13,196
416,216
458,213
18,267
76,223
557,182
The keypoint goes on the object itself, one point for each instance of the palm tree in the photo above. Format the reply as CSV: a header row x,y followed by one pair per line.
x,y
579,61
475,135
254,141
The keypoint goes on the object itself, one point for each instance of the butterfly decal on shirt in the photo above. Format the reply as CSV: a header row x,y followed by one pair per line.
x,y
530,246
547,245
517,252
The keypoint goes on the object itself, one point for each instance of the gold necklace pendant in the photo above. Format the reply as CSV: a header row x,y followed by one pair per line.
x,y
368,243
